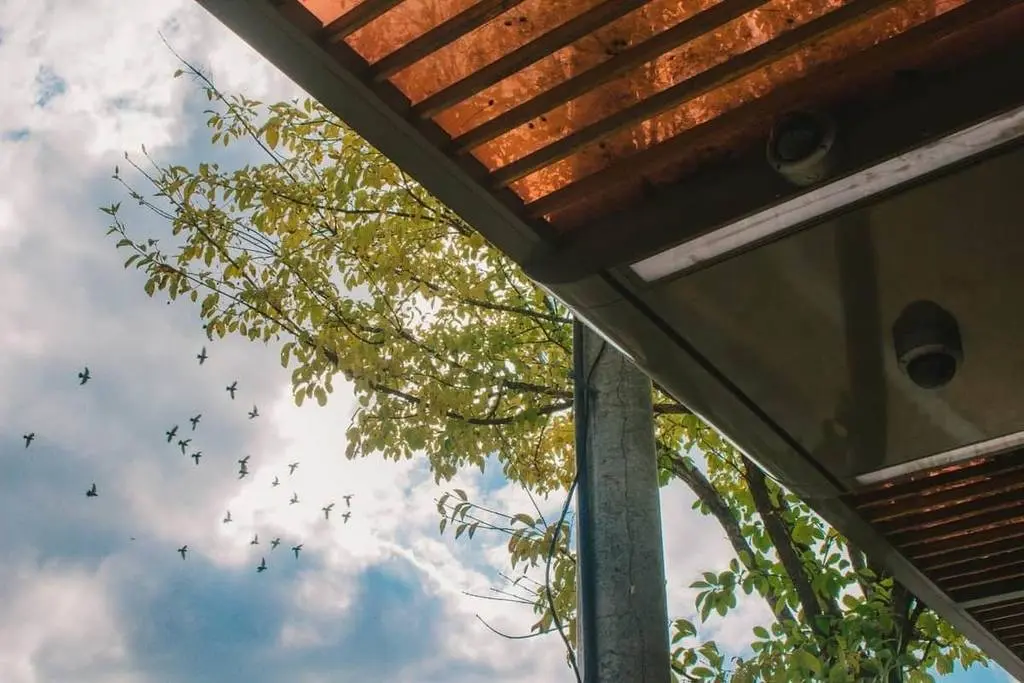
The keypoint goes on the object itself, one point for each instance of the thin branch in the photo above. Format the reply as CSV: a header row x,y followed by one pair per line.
x,y
505,635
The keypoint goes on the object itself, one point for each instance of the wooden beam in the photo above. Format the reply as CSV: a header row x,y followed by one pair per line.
x,y
876,502
689,29
700,84
467,20
993,572
941,102
961,545
951,498
524,56
356,18
990,593
944,566
1008,516
930,522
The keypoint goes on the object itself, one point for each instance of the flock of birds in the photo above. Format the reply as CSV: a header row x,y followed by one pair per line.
x,y
243,468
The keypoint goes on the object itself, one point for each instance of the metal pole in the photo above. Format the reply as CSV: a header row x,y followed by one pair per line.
x,y
623,613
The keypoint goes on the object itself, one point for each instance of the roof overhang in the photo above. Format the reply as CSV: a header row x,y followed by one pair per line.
x,y
763,305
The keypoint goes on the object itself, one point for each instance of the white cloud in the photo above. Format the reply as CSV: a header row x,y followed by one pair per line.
x,y
58,624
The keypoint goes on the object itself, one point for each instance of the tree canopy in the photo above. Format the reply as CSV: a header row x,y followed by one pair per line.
x,y
330,252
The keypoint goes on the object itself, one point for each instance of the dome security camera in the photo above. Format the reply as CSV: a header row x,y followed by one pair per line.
x,y
802,147
926,338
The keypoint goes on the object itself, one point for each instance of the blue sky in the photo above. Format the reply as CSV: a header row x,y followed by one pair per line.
x,y
380,598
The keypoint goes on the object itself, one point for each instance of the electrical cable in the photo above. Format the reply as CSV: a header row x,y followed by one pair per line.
x,y
581,418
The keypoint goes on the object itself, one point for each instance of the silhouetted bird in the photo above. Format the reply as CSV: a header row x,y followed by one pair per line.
x,y
84,376
202,356
29,438
276,482
255,539
91,493
171,433
232,388
263,565
182,550
327,510
276,542
227,517
345,516
295,499
184,444
254,413
291,468
348,500
196,456
195,420
296,549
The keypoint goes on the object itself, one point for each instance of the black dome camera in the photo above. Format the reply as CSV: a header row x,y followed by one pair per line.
x,y
926,338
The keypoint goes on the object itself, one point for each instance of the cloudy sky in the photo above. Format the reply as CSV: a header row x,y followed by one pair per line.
x,y
92,588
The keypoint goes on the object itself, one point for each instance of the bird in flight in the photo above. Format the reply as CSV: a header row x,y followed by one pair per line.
x,y
182,550
263,565
276,482
171,433
202,356
295,498
227,517
296,549
29,438
183,443
232,388
196,456
327,510
91,493
254,413
276,542
292,467
84,376
255,539
244,461
345,516
348,500
195,420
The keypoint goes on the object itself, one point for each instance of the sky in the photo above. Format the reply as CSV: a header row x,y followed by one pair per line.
x,y
93,588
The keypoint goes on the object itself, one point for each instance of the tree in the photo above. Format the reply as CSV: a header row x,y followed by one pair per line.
x,y
333,253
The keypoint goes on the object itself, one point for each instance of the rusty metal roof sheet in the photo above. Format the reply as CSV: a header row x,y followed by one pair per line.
x,y
547,94
963,526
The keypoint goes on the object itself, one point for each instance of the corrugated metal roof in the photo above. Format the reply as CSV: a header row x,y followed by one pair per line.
x,y
547,93
963,527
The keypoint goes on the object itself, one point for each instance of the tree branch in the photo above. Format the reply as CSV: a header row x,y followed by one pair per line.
x,y
482,421
779,535
707,494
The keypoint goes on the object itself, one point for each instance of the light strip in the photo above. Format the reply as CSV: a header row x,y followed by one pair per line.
x,y
886,175
1000,444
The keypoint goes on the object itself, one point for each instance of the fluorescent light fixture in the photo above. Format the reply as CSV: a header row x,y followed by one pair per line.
x,y
886,175
1000,444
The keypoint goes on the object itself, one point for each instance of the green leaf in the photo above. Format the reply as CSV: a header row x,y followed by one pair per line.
x,y
808,661
272,135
